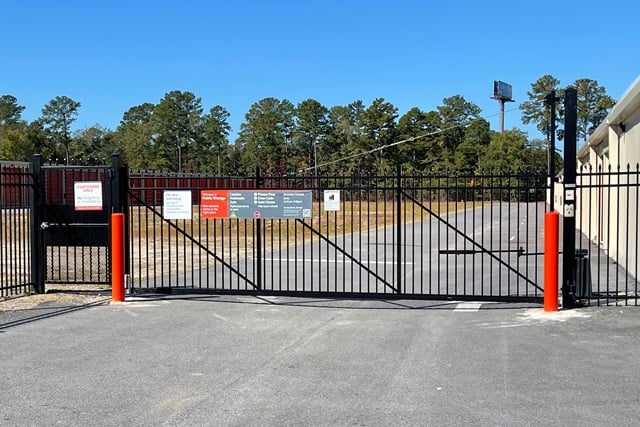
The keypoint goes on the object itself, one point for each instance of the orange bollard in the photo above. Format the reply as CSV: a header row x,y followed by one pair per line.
x,y
117,257
551,220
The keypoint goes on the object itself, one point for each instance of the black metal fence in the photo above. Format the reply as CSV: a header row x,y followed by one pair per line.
x,y
466,237
16,187
461,237
608,235
55,224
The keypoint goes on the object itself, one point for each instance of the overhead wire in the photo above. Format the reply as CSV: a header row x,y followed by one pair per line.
x,y
412,139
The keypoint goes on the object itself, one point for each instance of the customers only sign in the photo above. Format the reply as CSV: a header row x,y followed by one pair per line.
x,y
87,196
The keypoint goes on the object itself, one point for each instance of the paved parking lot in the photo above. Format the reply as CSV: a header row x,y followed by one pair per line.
x,y
210,360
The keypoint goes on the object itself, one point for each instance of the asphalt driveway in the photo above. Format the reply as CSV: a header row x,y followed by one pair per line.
x,y
209,360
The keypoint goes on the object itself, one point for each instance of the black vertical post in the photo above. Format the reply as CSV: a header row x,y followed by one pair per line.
x,y
569,221
37,233
119,201
399,228
116,200
551,100
258,231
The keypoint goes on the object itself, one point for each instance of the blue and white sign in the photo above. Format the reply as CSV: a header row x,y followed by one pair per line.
x,y
269,204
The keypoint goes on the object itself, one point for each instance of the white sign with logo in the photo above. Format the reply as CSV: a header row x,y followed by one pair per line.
x,y
332,200
87,195
176,204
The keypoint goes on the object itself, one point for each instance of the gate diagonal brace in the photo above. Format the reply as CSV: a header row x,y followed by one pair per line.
x,y
347,255
197,243
482,249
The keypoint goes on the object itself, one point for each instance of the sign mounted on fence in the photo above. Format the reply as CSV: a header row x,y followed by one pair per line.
x,y
332,200
214,204
176,204
270,204
264,204
87,195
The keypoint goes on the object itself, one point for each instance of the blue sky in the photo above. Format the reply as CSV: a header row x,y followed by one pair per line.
x,y
113,55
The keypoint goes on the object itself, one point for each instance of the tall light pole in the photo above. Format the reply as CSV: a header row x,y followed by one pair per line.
x,y
315,155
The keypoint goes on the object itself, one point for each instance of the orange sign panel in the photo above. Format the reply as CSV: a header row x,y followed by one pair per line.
x,y
214,204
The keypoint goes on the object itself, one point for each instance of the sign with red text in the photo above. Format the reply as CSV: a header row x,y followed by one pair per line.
x,y
87,195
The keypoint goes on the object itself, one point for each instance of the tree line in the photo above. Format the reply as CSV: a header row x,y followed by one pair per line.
x,y
176,134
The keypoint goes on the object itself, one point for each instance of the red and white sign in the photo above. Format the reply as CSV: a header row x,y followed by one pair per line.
x,y
214,204
87,195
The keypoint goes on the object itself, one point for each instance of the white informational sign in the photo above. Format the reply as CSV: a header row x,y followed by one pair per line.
x,y
176,204
87,195
332,200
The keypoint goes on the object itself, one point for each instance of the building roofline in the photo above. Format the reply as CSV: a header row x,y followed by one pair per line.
x,y
629,102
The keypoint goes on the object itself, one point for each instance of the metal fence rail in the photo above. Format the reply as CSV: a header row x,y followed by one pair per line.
x,y
16,185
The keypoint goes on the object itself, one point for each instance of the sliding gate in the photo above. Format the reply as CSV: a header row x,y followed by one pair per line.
x,y
475,237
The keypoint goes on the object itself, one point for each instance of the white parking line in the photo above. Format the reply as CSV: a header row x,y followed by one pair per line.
x,y
468,306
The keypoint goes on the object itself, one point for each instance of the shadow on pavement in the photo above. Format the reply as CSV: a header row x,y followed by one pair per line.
x,y
341,303
21,316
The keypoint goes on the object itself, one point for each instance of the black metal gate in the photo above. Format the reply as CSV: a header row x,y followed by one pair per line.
x,y
72,222
462,237
608,235
455,237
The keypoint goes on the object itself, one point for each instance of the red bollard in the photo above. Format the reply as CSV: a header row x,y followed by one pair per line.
x,y
117,257
551,220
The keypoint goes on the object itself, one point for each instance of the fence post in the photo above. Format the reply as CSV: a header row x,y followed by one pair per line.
x,y
119,201
399,228
569,196
258,231
37,234
551,100
116,200
551,261
117,257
